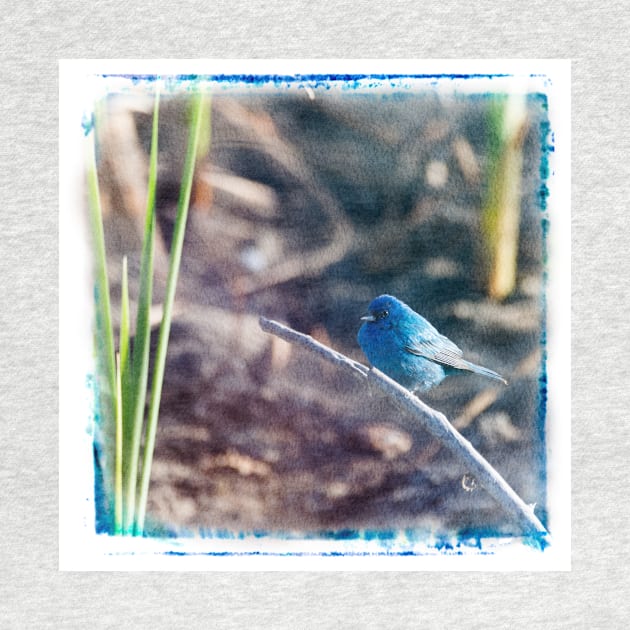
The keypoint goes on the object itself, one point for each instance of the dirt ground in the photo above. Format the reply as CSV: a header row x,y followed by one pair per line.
x,y
303,211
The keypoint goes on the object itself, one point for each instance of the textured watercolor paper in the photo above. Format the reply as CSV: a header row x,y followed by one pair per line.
x,y
326,182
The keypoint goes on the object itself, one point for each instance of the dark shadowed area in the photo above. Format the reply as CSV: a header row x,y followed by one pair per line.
x,y
306,206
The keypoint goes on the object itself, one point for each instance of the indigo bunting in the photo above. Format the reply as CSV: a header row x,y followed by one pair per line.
x,y
407,348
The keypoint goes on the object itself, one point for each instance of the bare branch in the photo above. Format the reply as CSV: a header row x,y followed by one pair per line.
x,y
431,420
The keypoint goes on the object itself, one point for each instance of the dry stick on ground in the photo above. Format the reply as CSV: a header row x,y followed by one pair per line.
x,y
431,420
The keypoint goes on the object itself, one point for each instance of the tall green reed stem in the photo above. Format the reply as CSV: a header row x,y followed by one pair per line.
x,y
124,389
140,358
500,217
126,372
175,259
104,330
118,475
104,333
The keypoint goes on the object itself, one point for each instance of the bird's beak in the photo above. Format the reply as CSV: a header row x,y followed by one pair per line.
x,y
368,318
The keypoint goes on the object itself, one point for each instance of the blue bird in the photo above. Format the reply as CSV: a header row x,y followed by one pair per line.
x,y
407,348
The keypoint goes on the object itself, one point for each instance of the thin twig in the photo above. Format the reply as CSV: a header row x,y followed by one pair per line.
x,y
431,420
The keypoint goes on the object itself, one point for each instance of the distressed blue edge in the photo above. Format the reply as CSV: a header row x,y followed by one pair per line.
x,y
263,78
547,147
349,81
444,544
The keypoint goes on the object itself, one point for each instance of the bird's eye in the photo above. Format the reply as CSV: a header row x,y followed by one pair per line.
x,y
382,314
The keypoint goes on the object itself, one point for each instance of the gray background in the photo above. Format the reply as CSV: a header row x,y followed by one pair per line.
x,y
34,594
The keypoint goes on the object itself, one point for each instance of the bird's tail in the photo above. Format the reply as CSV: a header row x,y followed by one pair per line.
x,y
467,365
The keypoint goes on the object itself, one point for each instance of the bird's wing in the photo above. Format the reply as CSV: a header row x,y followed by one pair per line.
x,y
436,348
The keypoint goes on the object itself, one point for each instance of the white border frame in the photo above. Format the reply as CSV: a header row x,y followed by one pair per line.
x,y
81,549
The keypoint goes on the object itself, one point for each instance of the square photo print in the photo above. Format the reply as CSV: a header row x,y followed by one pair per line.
x,y
315,315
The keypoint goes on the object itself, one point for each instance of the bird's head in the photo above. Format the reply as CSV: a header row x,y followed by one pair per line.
x,y
383,310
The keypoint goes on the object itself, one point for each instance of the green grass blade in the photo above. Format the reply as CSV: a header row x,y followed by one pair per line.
x,y
205,130
118,477
140,362
124,342
104,332
124,319
500,219
175,259
126,376
104,318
